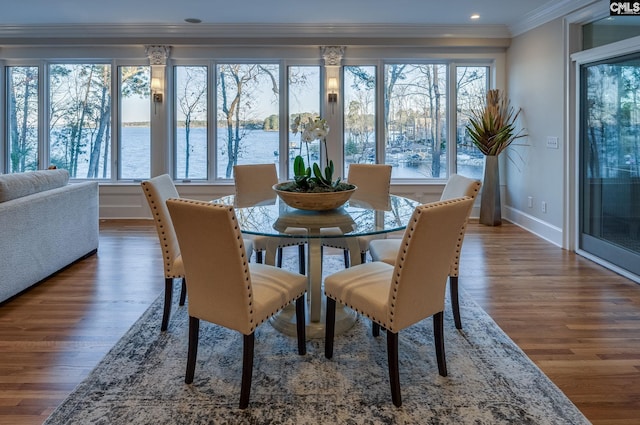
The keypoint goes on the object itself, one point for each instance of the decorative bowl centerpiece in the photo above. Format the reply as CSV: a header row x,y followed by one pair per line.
x,y
313,188
314,201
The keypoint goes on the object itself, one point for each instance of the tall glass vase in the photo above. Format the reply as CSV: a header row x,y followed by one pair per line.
x,y
490,214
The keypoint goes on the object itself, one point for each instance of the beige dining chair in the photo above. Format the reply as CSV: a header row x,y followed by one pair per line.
x,y
157,190
254,182
387,250
373,181
396,297
224,287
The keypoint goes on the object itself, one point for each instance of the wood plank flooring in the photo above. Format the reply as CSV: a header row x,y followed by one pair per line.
x,y
576,320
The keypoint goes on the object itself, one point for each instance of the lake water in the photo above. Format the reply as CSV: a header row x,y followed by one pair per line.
x,y
257,146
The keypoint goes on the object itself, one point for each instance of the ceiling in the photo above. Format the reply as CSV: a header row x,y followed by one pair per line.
x,y
156,16
450,12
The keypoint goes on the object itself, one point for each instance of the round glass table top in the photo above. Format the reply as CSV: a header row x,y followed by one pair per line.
x,y
358,217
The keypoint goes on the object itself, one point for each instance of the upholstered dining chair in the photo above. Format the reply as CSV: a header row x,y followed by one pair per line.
x,y
224,288
157,190
396,297
386,250
372,180
254,182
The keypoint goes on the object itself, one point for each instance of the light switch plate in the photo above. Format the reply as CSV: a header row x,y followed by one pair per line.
x,y
552,142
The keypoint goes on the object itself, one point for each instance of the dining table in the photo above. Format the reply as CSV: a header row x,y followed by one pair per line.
x,y
360,216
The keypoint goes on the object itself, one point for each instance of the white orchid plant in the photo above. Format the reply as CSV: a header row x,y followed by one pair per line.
x,y
312,178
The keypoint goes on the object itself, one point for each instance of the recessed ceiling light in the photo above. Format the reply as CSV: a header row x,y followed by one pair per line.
x,y
475,16
193,20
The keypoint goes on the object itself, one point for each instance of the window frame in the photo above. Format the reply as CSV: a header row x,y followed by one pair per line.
x,y
163,155
172,118
116,117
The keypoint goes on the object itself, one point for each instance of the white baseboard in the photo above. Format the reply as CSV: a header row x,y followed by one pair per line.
x,y
534,225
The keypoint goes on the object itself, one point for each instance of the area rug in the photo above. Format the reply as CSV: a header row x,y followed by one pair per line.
x,y
490,381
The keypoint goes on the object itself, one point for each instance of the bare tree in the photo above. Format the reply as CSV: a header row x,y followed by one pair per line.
x,y
102,117
192,102
236,82
22,91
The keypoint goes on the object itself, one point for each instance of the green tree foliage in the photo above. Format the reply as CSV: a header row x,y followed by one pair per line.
x,y
271,123
360,116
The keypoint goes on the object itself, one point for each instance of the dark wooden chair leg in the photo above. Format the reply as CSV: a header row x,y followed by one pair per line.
x,y
438,337
301,326
347,259
259,257
279,260
375,329
302,259
183,291
329,328
247,369
192,354
455,304
394,372
168,294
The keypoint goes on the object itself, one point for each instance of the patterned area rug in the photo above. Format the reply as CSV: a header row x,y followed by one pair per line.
x,y
491,381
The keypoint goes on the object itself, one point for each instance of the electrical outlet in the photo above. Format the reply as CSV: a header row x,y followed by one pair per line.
x,y
544,207
530,201
552,142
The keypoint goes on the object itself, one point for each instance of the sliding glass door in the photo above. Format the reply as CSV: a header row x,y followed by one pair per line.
x,y
609,161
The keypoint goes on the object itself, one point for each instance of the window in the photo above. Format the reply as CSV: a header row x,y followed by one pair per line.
x,y
609,30
135,130
610,152
359,115
192,138
22,112
415,116
247,115
304,102
472,83
80,119
223,113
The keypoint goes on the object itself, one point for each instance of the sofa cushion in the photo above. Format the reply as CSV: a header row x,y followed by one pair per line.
x,y
17,185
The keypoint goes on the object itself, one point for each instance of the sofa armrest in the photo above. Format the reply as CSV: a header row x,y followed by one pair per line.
x,y
44,232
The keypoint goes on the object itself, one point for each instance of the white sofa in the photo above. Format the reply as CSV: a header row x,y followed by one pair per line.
x,y
45,225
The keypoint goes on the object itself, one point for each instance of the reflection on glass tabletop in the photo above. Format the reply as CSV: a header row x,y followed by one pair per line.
x,y
358,217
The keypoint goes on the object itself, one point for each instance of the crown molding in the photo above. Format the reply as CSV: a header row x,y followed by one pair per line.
x,y
547,13
298,33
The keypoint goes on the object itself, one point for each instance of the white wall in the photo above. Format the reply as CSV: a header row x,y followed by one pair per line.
x,y
536,83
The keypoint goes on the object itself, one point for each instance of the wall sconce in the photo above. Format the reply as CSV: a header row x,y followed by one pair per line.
x,y
156,89
157,86
332,85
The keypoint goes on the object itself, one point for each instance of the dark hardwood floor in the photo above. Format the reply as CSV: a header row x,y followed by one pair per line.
x,y
576,320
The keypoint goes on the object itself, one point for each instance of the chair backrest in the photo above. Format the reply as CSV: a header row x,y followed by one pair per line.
x,y
253,182
371,179
215,263
456,187
157,190
422,266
